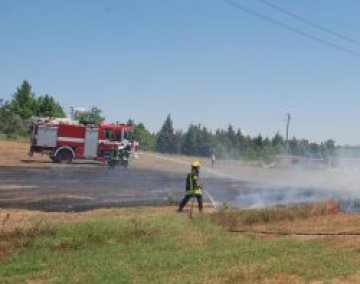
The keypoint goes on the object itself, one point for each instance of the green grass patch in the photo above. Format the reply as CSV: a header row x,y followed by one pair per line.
x,y
166,248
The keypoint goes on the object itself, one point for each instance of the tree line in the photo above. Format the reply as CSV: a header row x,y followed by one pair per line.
x,y
232,143
197,140
24,104
16,113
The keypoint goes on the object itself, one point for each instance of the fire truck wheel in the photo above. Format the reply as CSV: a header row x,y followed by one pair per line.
x,y
53,158
64,156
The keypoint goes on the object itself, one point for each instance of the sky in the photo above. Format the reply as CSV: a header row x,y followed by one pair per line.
x,y
208,62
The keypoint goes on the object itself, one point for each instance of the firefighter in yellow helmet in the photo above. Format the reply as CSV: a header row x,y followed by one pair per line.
x,y
193,188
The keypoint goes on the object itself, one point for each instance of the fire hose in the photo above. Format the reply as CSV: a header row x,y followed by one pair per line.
x,y
284,233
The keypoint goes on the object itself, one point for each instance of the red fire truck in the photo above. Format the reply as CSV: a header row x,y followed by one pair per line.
x,y
65,140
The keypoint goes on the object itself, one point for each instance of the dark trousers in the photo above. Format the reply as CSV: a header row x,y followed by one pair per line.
x,y
187,198
112,163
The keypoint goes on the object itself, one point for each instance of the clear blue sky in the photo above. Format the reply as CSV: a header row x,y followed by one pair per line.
x,y
202,61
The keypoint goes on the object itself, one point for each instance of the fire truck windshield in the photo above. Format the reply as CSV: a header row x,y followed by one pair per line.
x,y
118,135
129,135
108,134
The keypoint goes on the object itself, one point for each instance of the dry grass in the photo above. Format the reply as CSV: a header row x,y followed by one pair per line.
x,y
318,219
233,218
305,223
14,153
18,231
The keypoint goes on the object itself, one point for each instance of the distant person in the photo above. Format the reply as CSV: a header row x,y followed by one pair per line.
x,y
192,189
136,145
213,160
134,149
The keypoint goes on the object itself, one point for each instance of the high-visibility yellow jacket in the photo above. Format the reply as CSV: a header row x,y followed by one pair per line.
x,y
115,154
192,186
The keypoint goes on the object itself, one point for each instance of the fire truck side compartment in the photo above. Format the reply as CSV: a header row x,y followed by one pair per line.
x,y
91,142
46,136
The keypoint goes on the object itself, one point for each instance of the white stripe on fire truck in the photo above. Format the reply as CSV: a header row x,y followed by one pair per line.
x,y
71,139
80,140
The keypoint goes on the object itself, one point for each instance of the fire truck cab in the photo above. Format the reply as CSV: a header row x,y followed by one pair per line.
x,y
65,140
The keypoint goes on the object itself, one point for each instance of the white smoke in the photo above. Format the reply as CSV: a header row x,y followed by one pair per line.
x,y
256,186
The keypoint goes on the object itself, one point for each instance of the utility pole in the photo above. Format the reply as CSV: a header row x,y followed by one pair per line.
x,y
75,110
72,112
287,131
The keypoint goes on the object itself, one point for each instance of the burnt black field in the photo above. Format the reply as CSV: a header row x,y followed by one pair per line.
x,y
79,188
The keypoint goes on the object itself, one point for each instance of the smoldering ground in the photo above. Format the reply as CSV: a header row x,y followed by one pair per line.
x,y
290,184
256,185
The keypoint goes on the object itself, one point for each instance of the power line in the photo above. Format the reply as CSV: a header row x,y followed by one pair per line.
x,y
290,28
311,23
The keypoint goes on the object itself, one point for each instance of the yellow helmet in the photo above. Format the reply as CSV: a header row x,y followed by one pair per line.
x,y
196,164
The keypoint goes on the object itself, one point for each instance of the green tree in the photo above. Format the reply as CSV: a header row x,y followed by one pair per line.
x,y
178,140
47,106
197,141
4,108
314,150
295,147
278,140
144,137
166,137
11,123
24,102
130,122
92,116
330,146
250,154
278,144
222,137
327,149
190,143
241,142
268,154
219,150
258,141
231,135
